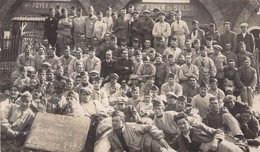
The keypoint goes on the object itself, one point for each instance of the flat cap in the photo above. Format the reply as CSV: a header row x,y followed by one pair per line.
x,y
157,103
94,72
171,95
182,99
229,98
113,75
86,90
134,12
26,95
72,94
118,113
227,22
217,47
134,77
161,13
146,11
244,25
121,100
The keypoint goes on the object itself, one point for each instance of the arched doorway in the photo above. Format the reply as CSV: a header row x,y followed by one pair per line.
x,y
255,30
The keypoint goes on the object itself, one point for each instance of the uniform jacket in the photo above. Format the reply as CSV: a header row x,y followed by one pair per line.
x,y
249,40
147,28
246,77
206,66
229,37
197,34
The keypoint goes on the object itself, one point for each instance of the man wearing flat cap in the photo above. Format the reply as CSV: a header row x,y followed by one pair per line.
x,y
244,53
161,29
213,33
79,59
220,62
132,137
234,107
229,54
246,79
191,88
92,62
16,121
136,28
171,98
229,37
147,27
197,33
247,38
171,17
135,99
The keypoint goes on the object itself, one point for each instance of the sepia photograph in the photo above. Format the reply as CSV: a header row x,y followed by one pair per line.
x,y
130,75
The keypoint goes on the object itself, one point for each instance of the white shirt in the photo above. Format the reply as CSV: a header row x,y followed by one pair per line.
x,y
100,29
179,29
162,29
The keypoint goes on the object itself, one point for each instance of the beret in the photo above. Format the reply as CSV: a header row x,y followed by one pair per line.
x,y
136,40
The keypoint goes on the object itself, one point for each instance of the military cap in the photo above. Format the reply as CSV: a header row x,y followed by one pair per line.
x,y
229,98
135,88
209,38
158,55
94,72
156,9
113,75
134,77
131,6
217,47
26,95
136,40
84,74
121,100
231,60
49,70
138,52
211,80
182,99
69,80
172,12
146,58
30,68
246,109
134,12
161,13
157,103
203,84
171,75
72,94
38,87
149,77
171,95
14,86
247,58
227,23
59,67
244,25
154,88
195,22
79,63
170,56
86,89
100,114
47,64
96,79
146,11
118,113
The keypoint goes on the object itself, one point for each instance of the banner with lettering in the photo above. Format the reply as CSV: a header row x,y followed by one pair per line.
x,y
58,133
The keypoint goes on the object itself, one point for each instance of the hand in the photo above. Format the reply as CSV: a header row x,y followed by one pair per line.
x,y
164,144
214,145
10,133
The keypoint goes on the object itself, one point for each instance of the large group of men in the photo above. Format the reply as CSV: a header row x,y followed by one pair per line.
x,y
148,84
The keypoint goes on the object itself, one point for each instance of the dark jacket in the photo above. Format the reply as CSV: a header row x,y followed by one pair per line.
x,y
249,40
250,132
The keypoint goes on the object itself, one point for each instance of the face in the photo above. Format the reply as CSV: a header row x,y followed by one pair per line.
x,y
158,111
146,15
41,51
100,17
135,16
178,16
71,101
197,46
123,12
51,52
242,48
91,11
195,26
65,13
107,37
95,41
183,125
33,82
162,43
227,27
152,54
42,76
173,43
214,105
212,28
147,44
113,42
131,52
247,63
79,13
91,54
23,73
188,45
117,122
203,91
230,104
208,43
14,93
96,85
60,71
171,81
244,29
52,13
79,54
158,59
25,104
50,76
188,59
192,82
171,60
108,55
124,54
246,117
79,68
84,97
27,51
180,106
120,106
69,85
203,52
84,79
36,93
78,80
147,62
147,99
161,17
135,94
66,52
213,85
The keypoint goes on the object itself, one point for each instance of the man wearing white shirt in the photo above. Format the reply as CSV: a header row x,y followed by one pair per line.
x,y
180,30
100,27
109,20
161,29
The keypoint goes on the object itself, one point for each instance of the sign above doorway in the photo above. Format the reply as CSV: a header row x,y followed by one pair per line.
x,y
166,1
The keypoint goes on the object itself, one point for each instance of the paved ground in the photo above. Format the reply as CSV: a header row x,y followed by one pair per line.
x,y
256,105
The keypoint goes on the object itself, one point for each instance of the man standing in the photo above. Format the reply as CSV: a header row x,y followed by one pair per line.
x,y
109,20
107,65
51,26
147,27
120,27
197,33
134,137
78,29
100,27
213,33
205,64
90,21
65,60
229,37
161,29
136,28
247,38
180,30
246,80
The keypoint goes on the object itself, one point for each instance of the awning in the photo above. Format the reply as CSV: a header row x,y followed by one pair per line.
x,y
29,19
